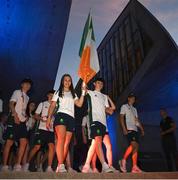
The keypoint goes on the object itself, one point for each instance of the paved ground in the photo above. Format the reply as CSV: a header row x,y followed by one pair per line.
x,y
34,175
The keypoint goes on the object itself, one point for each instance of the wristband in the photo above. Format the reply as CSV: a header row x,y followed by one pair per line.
x,y
83,84
83,92
44,118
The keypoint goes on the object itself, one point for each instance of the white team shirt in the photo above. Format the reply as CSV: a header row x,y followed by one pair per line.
x,y
30,123
42,110
131,114
86,123
66,103
21,99
99,102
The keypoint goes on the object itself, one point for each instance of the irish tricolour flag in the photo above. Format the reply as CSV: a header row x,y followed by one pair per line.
x,y
89,64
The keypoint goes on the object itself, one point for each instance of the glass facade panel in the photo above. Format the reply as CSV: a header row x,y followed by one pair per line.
x,y
122,55
111,45
122,48
116,43
134,25
121,33
128,31
109,72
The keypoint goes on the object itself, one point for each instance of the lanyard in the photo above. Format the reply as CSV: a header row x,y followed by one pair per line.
x,y
23,104
132,111
23,100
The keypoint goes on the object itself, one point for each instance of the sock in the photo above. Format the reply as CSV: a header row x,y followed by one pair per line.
x,y
127,153
134,158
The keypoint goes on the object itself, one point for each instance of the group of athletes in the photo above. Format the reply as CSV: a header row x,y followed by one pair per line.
x,y
52,124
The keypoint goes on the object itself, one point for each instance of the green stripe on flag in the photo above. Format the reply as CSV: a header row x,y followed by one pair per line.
x,y
88,25
91,27
84,36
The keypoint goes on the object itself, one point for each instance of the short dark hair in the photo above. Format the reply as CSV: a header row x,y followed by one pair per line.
x,y
50,92
131,94
27,80
163,109
99,79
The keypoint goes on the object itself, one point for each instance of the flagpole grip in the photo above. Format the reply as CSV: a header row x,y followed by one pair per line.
x,y
83,84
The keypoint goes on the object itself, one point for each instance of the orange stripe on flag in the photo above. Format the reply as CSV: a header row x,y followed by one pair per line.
x,y
85,72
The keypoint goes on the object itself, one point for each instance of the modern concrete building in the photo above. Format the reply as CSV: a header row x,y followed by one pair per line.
x,y
138,54
31,41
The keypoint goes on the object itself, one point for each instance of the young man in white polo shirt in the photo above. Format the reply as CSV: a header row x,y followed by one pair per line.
x,y
130,124
45,136
16,128
98,103
106,139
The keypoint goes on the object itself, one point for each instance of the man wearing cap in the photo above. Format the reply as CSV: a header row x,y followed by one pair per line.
x,y
130,125
16,128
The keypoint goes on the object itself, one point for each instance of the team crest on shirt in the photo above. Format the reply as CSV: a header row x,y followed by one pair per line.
x,y
11,135
61,120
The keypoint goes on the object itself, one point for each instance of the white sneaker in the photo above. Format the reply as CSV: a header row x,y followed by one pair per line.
x,y
17,168
49,169
95,170
106,168
113,169
122,164
61,169
40,168
5,168
25,167
136,169
71,170
86,169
